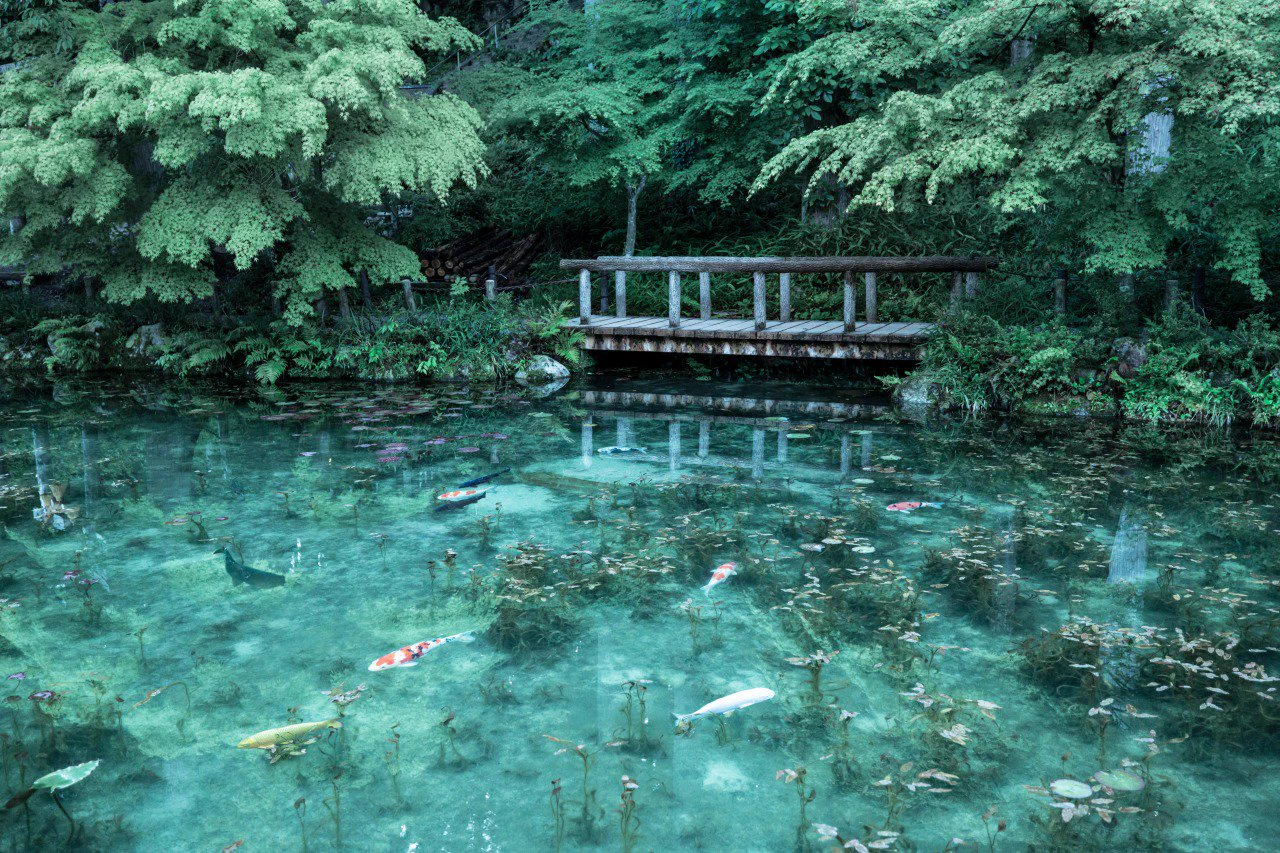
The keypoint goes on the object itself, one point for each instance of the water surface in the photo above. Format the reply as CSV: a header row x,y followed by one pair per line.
x,y
1086,598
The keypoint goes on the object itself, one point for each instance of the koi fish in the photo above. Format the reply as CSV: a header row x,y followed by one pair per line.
x,y
408,656
486,478
908,506
256,578
285,734
726,705
459,498
613,451
722,573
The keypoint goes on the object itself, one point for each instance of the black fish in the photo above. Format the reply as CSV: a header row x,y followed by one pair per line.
x,y
486,478
255,578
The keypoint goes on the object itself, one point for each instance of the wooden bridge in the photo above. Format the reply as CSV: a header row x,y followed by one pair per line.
x,y
847,338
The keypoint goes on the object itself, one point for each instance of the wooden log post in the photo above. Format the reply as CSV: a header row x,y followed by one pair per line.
x,y
604,298
620,293
784,297
758,299
409,301
970,285
873,313
673,299
850,303
1060,295
704,295
490,289
957,291
1172,293
584,297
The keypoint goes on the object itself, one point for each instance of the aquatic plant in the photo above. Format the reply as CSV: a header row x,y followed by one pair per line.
x,y
300,812
693,616
342,698
54,782
448,741
806,794
628,821
557,813
872,839
844,761
333,805
590,811
636,736
392,759
186,694
813,663
1000,826
532,606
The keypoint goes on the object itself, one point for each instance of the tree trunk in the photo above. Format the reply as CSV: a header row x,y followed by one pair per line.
x,y
364,290
344,306
409,301
633,195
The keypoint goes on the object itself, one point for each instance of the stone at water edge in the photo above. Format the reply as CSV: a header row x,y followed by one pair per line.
x,y
146,338
541,370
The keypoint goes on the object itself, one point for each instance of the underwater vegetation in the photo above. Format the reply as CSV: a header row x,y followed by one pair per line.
x,y
1066,642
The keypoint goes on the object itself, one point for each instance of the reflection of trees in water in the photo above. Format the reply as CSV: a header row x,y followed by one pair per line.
x,y
1129,550
169,461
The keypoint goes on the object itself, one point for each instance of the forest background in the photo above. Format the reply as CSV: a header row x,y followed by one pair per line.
x,y
224,185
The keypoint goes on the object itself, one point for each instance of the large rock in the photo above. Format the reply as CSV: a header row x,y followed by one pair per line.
x,y
147,340
542,370
1130,356
919,396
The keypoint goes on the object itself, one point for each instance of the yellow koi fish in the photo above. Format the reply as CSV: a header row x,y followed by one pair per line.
x,y
284,734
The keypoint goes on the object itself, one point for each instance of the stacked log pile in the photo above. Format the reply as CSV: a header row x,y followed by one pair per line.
x,y
472,256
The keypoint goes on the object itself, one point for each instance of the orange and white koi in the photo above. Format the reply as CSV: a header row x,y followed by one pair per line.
x,y
408,656
908,506
462,495
722,573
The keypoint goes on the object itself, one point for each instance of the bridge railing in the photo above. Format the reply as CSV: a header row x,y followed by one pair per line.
x,y
964,270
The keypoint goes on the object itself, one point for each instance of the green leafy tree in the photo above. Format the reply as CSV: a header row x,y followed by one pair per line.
x,y
162,146
1042,112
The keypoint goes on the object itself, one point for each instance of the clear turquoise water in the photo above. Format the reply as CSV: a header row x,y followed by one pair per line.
x,y
930,620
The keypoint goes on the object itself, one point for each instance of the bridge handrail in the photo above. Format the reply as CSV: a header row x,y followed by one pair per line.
x,y
964,281
928,263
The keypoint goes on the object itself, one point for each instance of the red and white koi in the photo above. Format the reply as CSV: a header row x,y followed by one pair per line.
x,y
461,495
908,506
408,656
722,573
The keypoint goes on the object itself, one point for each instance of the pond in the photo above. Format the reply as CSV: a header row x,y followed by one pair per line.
x,y
1054,634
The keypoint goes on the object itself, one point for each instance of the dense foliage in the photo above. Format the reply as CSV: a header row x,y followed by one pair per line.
x,y
180,150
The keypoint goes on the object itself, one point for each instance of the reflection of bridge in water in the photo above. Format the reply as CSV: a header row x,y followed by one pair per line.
x,y
763,416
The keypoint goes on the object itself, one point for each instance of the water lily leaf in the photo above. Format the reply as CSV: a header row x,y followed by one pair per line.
x,y
66,777
1120,780
1070,789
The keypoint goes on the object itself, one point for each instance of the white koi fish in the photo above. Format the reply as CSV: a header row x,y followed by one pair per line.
x,y
408,656
726,705
722,573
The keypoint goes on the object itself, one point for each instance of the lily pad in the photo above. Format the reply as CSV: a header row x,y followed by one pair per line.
x,y
1070,789
1120,780
864,481
66,777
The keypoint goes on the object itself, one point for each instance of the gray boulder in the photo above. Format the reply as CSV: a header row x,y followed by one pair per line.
x,y
542,370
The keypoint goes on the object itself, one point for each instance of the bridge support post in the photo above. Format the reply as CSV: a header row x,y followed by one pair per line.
x,y
704,439
873,315
757,452
850,303
587,441
584,296
624,432
620,293
673,299
784,297
758,299
673,445
866,450
782,445
957,290
704,295
846,455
